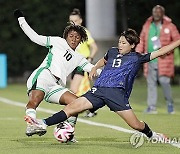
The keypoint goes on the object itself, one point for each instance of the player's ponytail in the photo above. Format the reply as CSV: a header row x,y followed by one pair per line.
x,y
76,12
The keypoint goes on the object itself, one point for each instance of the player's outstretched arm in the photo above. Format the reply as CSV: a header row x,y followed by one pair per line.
x,y
39,39
164,50
86,66
98,65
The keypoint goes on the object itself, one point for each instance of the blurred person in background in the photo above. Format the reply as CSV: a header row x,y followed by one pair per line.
x,y
80,83
157,32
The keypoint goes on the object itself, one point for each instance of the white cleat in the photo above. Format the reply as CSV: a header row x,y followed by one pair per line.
x,y
73,140
35,126
159,137
89,114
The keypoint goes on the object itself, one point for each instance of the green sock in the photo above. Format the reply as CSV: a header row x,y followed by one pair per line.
x,y
72,120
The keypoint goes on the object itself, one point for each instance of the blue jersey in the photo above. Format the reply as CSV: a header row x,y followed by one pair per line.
x,y
121,70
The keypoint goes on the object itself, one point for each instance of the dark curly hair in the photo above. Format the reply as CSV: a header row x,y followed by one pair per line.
x,y
131,36
79,29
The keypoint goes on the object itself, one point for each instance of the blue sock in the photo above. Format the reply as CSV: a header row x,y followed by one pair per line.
x,y
56,118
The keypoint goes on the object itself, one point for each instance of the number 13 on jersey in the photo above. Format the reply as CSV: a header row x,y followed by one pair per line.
x,y
116,63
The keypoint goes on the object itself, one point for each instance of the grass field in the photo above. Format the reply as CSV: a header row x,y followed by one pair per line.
x,y
92,139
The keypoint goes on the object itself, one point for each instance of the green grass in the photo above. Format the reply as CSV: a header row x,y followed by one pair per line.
x,y
92,139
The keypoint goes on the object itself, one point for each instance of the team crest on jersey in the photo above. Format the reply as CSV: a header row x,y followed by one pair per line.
x,y
119,55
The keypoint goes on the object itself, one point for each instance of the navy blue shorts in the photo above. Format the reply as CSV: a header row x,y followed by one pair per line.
x,y
114,98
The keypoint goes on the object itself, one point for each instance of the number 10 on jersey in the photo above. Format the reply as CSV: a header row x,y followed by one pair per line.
x,y
67,55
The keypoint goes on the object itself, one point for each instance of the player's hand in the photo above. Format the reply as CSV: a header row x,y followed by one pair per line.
x,y
18,13
93,73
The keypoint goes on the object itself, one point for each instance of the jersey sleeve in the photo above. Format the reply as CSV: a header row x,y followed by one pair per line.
x,y
144,58
33,36
106,55
86,66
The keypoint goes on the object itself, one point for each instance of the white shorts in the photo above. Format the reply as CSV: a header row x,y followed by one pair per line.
x,y
43,80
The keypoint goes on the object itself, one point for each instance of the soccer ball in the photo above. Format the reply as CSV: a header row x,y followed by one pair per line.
x,y
64,132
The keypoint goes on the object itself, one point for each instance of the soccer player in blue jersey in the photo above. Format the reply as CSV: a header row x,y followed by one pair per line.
x,y
114,85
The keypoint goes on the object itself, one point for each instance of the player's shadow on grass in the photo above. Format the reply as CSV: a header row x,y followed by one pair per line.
x,y
106,142
38,142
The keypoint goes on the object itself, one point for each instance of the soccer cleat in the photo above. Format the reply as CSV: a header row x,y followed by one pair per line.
x,y
90,114
30,130
170,109
73,140
159,137
151,110
35,126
